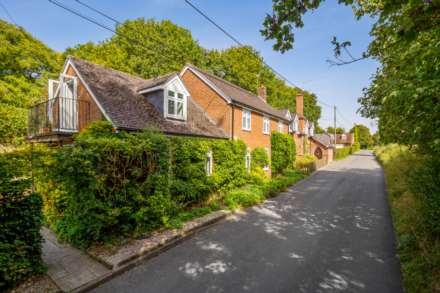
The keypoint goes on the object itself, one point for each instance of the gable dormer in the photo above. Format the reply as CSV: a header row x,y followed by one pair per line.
x,y
169,95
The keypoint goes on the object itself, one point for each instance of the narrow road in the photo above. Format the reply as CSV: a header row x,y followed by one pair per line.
x,y
331,232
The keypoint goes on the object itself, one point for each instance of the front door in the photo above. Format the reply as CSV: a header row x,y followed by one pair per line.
x,y
68,104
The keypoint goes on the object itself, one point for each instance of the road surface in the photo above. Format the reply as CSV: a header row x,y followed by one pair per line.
x,y
331,232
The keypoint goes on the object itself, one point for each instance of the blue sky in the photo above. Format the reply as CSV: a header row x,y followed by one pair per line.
x,y
305,65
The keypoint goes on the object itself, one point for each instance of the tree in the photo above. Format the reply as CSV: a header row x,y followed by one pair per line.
x,y
365,138
339,130
165,47
406,41
25,64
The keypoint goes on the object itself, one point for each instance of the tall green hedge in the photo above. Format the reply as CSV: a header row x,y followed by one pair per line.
x,y
20,221
341,153
108,184
283,152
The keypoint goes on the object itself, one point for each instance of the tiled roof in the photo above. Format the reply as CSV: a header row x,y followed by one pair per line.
x,y
118,94
239,95
323,138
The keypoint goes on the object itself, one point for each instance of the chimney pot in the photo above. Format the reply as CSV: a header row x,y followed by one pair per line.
x,y
262,93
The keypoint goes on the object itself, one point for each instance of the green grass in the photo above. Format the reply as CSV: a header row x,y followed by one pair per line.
x,y
419,252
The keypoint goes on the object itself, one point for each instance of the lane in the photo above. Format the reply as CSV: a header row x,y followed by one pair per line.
x,y
331,232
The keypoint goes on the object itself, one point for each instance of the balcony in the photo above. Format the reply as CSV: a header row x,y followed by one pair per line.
x,y
58,117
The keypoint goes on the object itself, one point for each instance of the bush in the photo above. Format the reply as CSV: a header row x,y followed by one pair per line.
x,y
260,159
413,186
283,152
111,185
342,153
20,221
305,164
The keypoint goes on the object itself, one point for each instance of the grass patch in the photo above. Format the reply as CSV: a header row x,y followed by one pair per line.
x,y
419,251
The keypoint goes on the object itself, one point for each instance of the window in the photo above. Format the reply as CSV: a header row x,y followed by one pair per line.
x,y
175,105
312,130
247,161
280,126
291,127
266,168
266,125
246,120
209,163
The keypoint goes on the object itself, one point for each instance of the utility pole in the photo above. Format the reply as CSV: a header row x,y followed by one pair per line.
x,y
334,124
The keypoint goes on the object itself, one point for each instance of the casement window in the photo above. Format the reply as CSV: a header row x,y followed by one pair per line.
x,y
246,120
175,105
247,161
312,130
209,163
266,168
266,125
280,126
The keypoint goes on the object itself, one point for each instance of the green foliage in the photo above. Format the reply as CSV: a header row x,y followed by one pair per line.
x,y
339,130
341,153
109,185
362,136
414,193
20,220
260,158
256,193
305,164
25,64
283,152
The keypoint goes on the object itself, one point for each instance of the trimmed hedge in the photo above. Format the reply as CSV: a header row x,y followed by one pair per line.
x,y
283,152
111,185
20,221
342,153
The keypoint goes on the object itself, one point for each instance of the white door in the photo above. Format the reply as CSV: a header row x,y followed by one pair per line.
x,y
67,102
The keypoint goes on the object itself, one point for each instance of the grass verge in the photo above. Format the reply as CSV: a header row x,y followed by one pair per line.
x,y
419,252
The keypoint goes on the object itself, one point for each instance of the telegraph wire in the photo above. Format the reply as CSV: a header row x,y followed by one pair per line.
x,y
7,13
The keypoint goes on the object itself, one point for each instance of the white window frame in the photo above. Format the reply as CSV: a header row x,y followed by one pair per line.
x,y
176,102
266,125
280,126
246,119
209,163
248,161
266,168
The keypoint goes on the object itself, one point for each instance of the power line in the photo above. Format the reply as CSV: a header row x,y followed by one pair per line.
x,y
7,13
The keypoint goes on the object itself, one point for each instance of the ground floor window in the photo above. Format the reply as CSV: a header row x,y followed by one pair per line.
x,y
247,161
209,163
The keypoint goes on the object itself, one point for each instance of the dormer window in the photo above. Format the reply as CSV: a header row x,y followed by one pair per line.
x,y
176,105
280,126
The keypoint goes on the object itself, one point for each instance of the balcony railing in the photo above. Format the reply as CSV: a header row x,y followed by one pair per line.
x,y
58,116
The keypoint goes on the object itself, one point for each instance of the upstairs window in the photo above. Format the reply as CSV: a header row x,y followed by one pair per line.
x,y
280,126
246,120
176,105
312,130
209,163
266,125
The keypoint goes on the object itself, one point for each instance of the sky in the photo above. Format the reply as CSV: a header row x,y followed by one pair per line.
x,y
305,65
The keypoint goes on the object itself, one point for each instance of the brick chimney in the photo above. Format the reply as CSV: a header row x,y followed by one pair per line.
x,y
300,104
300,111
262,93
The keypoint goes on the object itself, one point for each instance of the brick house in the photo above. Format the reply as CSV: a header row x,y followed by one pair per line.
x,y
191,103
343,140
240,113
87,92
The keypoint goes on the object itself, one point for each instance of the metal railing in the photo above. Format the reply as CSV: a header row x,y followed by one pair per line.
x,y
58,115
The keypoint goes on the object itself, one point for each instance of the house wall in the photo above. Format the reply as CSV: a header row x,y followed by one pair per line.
x,y
327,154
215,106
84,95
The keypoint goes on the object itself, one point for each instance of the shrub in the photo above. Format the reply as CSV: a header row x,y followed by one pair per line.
x,y
244,197
20,221
260,159
342,153
283,152
305,164
111,185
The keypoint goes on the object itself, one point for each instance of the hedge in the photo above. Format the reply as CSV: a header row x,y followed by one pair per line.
x,y
20,221
111,185
283,152
341,153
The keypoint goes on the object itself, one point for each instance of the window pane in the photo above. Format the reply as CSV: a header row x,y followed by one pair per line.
x,y
179,109
171,108
171,93
180,96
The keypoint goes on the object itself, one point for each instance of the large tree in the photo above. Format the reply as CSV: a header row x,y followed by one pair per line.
x,y
25,64
364,136
406,41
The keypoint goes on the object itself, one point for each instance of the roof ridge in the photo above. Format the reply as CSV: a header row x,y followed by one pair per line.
x,y
119,71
